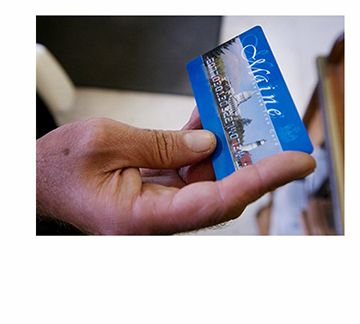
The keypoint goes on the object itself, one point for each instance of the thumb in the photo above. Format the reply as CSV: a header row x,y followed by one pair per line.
x,y
171,149
129,146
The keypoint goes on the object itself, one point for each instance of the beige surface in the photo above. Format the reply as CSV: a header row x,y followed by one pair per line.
x,y
141,109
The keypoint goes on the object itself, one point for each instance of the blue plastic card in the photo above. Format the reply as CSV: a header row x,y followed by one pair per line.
x,y
243,99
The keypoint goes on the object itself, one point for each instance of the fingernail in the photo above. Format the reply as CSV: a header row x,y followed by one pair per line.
x,y
200,141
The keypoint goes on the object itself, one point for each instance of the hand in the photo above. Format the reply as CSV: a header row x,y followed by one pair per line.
x,y
89,174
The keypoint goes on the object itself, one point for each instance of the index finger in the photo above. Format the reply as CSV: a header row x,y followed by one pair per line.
x,y
194,121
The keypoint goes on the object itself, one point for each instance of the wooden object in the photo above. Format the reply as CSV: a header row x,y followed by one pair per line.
x,y
324,120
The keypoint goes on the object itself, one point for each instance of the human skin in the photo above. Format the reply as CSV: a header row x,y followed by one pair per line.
x,y
106,177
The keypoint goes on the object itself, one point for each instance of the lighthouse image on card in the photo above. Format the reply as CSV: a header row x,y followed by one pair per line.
x,y
243,99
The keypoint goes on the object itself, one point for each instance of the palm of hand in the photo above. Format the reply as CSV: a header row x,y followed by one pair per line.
x,y
151,201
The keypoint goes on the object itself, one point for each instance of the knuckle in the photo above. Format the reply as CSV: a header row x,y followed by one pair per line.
x,y
164,147
95,136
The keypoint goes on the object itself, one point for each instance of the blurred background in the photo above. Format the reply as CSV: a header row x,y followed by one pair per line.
x,y
133,69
